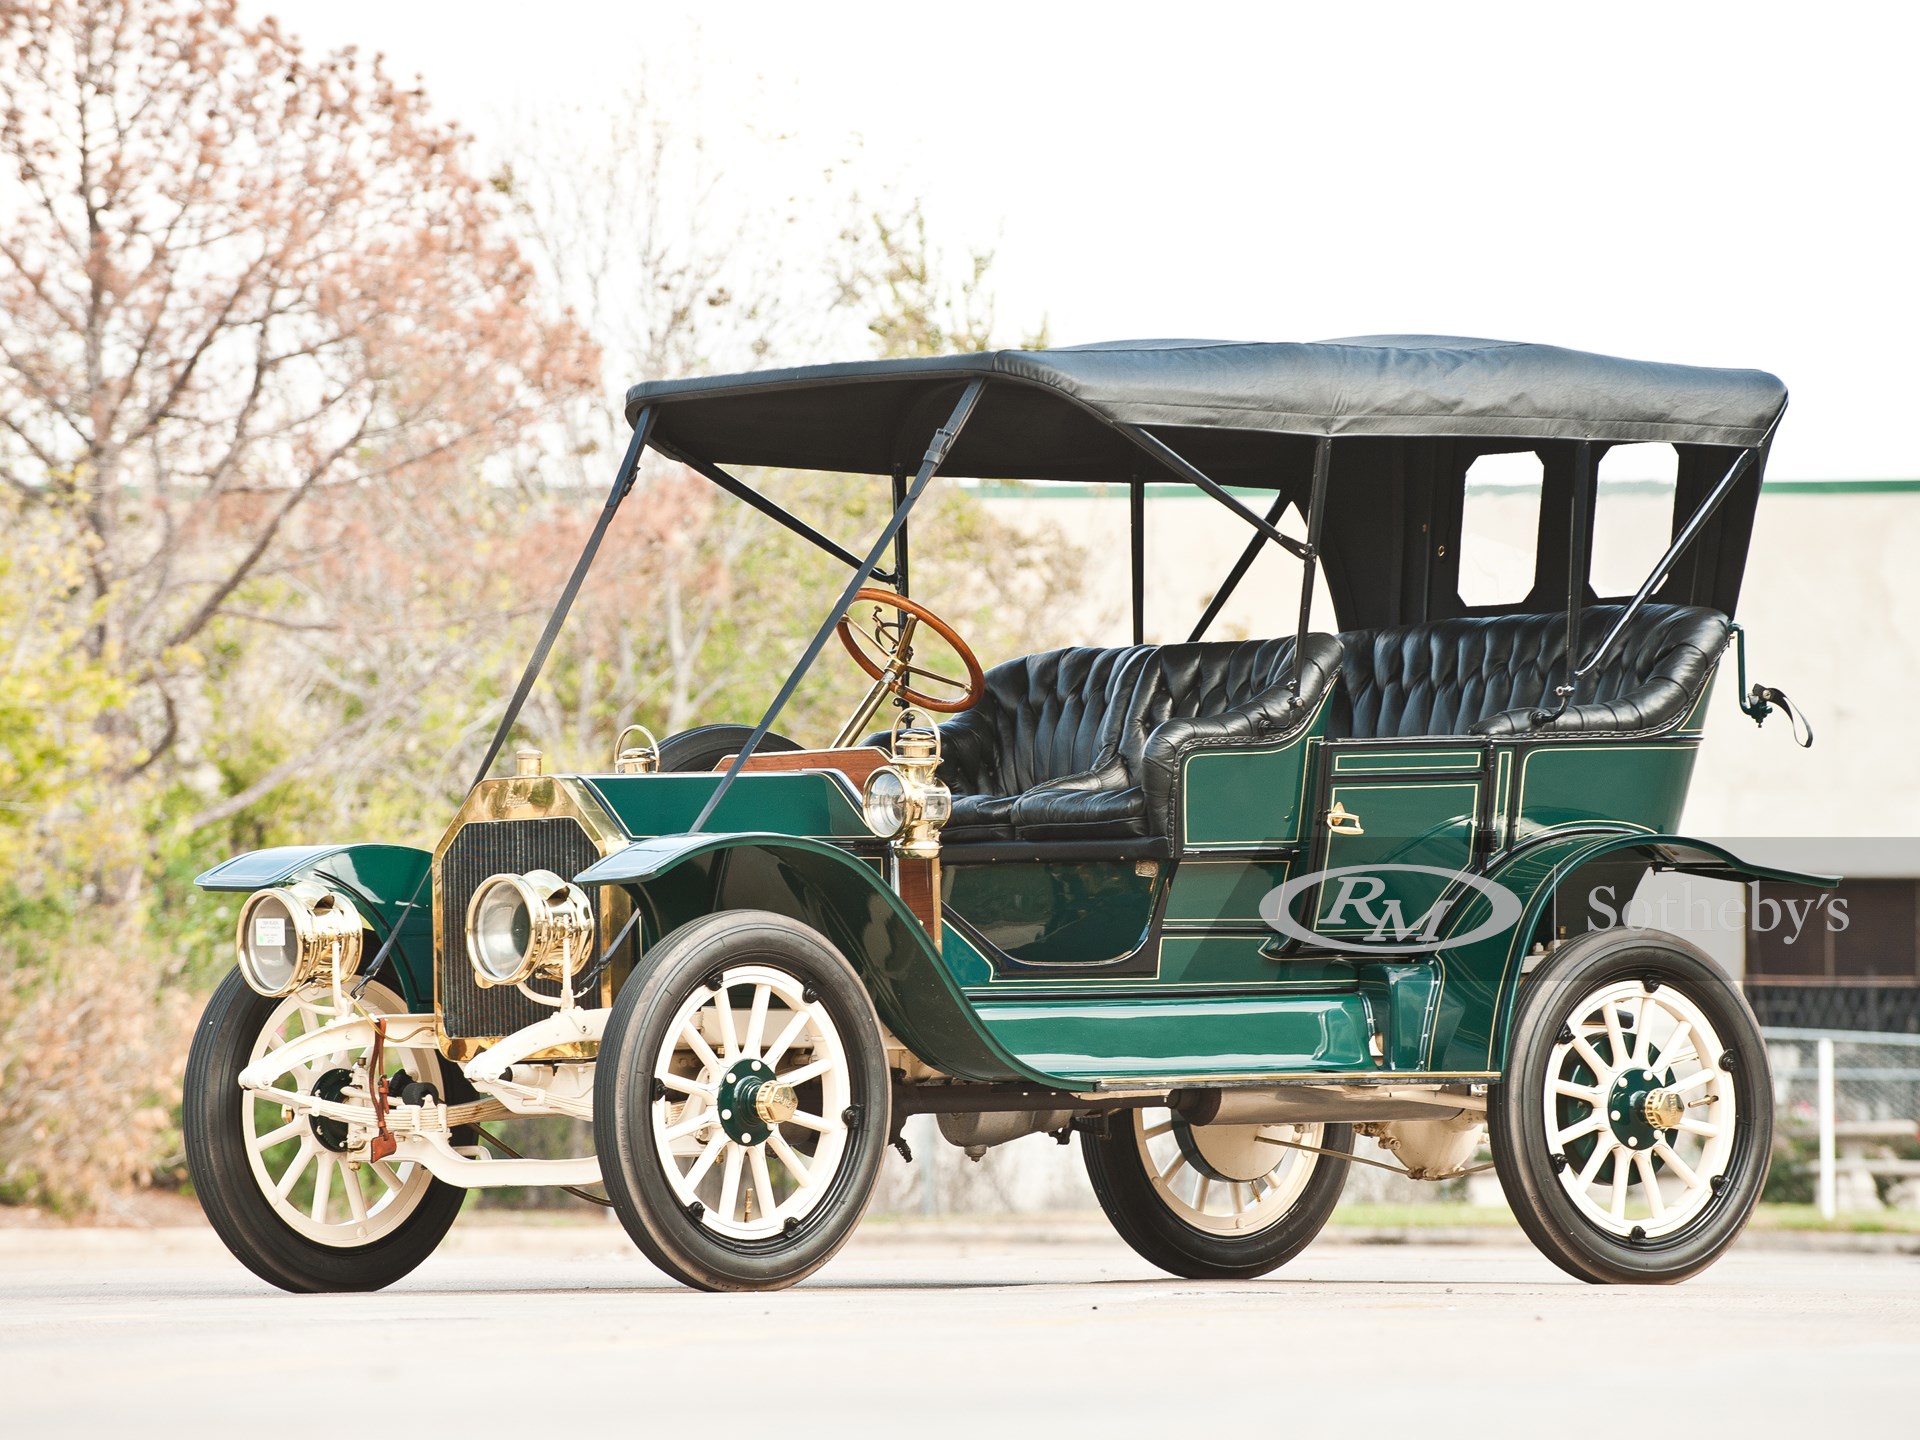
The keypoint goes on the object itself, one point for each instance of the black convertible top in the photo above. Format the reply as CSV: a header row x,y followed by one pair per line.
x,y
1050,414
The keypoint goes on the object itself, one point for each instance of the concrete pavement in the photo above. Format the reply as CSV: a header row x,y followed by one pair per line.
x,y
523,1330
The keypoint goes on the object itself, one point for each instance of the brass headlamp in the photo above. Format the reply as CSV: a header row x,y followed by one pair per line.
x,y
524,926
903,802
289,935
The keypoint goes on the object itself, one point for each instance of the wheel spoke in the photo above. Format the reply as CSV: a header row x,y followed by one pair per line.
x,y
1178,1164
807,1120
1650,1182
386,1176
786,1037
1643,1039
1153,1132
690,1126
284,1132
1621,1179
296,1168
805,1073
1583,1047
1589,1093
1594,1162
1593,1124
723,1013
1679,1045
356,1197
730,1183
703,1162
686,1085
757,1019
322,1187
1676,1164
1699,1077
763,1182
1616,1040
789,1157
697,1043
1206,1188
1697,1127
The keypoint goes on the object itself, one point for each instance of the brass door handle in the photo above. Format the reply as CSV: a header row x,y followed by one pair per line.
x,y
1341,821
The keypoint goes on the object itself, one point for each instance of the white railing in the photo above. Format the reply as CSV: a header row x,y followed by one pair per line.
x,y
1855,1091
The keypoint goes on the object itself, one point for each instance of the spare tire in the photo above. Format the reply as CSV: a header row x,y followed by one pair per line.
x,y
705,746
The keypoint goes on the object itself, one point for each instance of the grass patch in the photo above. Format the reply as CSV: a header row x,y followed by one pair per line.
x,y
1856,1222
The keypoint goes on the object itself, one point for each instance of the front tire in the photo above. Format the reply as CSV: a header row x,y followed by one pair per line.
x,y
1633,1126
291,1206
741,1102
1215,1202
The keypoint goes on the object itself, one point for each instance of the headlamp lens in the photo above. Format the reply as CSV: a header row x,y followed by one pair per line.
x,y
884,802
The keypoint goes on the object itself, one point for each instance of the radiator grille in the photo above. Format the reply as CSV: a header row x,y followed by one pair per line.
x,y
479,851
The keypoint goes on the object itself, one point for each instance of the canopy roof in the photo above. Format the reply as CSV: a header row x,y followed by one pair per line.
x,y
1050,414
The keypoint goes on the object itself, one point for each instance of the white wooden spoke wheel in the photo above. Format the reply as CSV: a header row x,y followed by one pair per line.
x,y
748,1116
316,1179
1226,1179
742,1101
1633,1118
1215,1202
298,1198
1640,1114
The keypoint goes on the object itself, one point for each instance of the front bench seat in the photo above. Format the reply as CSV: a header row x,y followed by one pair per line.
x,y
1208,694
1485,675
1041,719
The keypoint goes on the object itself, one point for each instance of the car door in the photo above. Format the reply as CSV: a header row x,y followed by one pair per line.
x,y
1396,825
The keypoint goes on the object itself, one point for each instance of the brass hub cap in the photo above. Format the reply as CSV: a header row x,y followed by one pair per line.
x,y
775,1103
1663,1109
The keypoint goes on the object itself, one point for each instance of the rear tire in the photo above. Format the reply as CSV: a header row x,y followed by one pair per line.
x,y
1214,1202
235,1176
741,1102
1609,1028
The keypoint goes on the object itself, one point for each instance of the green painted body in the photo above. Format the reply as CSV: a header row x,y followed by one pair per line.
x,y
1115,973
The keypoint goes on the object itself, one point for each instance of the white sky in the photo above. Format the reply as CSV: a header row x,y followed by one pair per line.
x,y
1717,184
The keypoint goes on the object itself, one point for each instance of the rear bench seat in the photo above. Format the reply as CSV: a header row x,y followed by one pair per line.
x,y
1485,675
1086,743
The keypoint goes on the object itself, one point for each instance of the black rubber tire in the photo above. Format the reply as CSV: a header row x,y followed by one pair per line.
x,y
1159,1236
1517,1130
622,1101
705,746
223,1181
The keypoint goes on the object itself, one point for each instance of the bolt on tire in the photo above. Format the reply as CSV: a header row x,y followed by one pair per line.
x,y
742,1102
1632,1129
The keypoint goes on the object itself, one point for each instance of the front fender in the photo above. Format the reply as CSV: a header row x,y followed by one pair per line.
x,y
677,878
1480,982
379,879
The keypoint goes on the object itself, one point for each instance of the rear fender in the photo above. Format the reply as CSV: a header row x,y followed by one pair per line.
x,y
1480,982
379,879
678,878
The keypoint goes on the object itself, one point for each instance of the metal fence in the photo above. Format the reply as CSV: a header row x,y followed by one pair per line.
x,y
1857,1094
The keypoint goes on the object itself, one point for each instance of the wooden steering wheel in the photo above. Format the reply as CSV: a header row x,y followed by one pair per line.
x,y
883,647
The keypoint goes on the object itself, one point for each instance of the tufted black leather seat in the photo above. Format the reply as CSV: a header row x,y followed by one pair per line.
x,y
1087,744
1043,717
1484,675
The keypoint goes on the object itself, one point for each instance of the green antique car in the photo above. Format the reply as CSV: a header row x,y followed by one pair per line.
x,y
1214,906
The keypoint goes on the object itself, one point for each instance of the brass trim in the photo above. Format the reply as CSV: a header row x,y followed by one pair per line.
x,y
530,797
